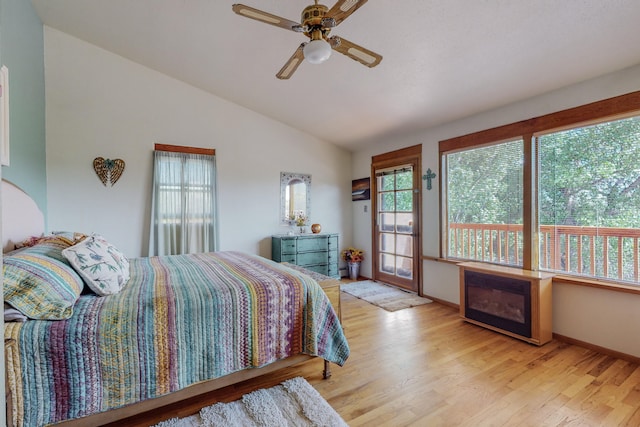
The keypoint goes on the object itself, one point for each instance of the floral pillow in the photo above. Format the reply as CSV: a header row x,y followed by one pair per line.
x,y
101,265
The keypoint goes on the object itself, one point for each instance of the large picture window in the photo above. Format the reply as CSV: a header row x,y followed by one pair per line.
x,y
484,203
561,194
589,200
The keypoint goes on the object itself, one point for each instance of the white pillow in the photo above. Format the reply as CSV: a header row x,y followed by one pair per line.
x,y
13,315
100,264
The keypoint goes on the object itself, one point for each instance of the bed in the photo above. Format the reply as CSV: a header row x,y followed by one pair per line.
x,y
178,326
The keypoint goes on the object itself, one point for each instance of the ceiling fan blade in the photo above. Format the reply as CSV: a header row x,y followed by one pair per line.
x,y
343,9
267,18
355,52
292,64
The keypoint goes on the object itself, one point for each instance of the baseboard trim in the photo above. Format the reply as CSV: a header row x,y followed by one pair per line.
x,y
603,350
443,302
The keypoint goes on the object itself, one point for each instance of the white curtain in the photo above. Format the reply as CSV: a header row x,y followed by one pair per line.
x,y
183,207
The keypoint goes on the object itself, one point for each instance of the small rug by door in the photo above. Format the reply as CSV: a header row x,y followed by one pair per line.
x,y
292,403
384,296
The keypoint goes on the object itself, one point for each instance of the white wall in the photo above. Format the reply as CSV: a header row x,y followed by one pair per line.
x,y
604,318
101,105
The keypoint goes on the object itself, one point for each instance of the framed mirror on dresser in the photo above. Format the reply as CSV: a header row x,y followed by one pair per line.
x,y
295,196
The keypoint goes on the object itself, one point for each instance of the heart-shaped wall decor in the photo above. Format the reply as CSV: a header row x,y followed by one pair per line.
x,y
108,171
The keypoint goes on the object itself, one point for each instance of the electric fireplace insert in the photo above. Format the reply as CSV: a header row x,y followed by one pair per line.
x,y
510,300
499,301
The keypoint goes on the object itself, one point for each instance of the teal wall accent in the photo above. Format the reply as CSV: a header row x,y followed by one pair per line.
x,y
22,51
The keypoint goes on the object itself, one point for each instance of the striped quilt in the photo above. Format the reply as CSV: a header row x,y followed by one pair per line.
x,y
180,320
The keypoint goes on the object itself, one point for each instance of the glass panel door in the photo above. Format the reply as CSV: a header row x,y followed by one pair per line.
x,y
396,230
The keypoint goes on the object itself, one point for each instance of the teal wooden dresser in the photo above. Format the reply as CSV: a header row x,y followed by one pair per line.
x,y
315,252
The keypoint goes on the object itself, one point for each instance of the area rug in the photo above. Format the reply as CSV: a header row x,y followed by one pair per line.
x,y
293,403
384,296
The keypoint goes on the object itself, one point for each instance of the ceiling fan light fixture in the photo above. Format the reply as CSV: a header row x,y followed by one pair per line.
x,y
317,51
316,22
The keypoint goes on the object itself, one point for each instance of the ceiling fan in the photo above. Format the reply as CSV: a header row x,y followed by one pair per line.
x,y
317,22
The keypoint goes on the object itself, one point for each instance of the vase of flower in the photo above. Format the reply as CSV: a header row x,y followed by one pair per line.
x,y
354,270
301,222
353,257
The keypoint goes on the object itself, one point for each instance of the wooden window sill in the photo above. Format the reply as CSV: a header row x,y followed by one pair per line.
x,y
563,278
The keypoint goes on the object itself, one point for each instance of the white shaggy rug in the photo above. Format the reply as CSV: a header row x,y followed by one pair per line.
x,y
384,296
293,403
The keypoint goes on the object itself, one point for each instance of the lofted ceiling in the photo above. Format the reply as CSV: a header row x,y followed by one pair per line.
x,y
442,59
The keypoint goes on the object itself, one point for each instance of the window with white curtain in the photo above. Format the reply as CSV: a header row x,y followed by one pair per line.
x,y
183,210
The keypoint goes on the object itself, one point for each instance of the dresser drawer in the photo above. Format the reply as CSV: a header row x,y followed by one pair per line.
x,y
288,246
290,258
312,258
316,252
310,244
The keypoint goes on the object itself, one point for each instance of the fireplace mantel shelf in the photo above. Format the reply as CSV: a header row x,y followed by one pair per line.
x,y
506,271
527,294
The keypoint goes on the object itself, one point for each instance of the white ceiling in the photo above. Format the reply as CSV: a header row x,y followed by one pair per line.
x,y
443,59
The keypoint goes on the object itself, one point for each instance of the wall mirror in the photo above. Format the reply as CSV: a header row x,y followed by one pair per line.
x,y
295,196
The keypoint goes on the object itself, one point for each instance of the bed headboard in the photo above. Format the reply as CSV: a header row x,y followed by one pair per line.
x,y
21,217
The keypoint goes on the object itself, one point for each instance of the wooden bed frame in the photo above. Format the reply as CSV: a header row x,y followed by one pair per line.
x,y
21,218
180,395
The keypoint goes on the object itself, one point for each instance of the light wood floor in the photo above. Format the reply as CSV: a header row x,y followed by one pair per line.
x,y
424,366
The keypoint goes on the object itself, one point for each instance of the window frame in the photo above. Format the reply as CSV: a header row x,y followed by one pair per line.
x,y
183,150
600,111
445,242
162,188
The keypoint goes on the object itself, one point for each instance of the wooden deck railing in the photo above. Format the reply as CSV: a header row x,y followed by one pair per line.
x,y
605,252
